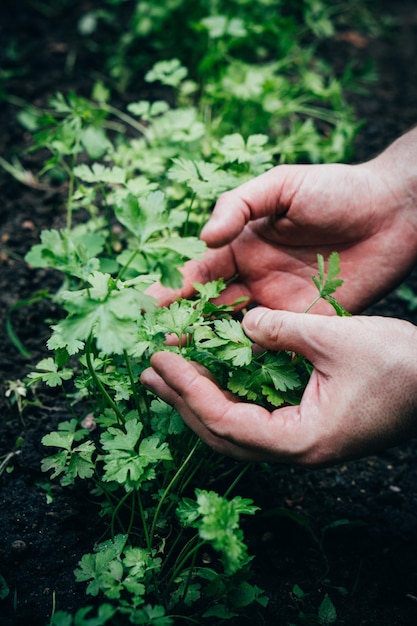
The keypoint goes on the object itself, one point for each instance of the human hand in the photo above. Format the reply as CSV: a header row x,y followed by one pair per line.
x,y
361,397
266,233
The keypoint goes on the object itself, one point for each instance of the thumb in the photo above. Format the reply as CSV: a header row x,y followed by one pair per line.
x,y
310,335
260,197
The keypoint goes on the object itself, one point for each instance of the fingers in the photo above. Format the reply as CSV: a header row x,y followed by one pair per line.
x,y
259,197
243,431
215,264
310,335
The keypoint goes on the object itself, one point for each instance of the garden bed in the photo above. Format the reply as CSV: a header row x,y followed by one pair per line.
x,y
349,532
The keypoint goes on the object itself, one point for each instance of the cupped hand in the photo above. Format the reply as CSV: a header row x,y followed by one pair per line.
x,y
264,236
360,399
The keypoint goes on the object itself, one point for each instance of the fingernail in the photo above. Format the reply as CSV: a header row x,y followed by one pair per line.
x,y
252,317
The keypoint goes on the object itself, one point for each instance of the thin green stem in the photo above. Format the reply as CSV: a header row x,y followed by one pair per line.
x,y
126,118
237,480
188,553
5,461
189,576
116,511
169,488
100,385
310,306
187,221
144,524
133,385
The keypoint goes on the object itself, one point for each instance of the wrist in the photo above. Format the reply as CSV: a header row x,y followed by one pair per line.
x,y
396,169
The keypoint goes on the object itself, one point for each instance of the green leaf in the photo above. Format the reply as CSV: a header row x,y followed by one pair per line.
x,y
178,318
145,216
48,372
219,26
108,310
170,73
4,588
152,450
327,612
327,284
242,383
217,520
147,110
72,252
234,149
238,348
205,179
210,290
186,247
166,420
125,462
281,371
152,616
95,141
272,396
117,439
98,173
72,461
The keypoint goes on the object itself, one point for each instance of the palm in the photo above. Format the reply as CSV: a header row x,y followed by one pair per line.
x,y
273,227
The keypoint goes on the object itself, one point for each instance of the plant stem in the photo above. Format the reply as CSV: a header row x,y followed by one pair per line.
x,y
144,524
132,383
100,385
116,511
187,552
127,119
310,306
169,488
237,479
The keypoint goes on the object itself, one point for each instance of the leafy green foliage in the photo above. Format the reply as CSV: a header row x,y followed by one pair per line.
x,y
83,617
328,283
217,520
48,371
71,461
126,461
146,177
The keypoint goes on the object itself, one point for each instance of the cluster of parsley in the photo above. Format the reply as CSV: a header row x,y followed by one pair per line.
x,y
208,333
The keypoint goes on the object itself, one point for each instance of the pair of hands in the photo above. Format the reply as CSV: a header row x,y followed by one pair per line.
x,y
362,395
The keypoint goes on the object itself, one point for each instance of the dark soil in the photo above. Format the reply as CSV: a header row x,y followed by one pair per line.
x,y
348,531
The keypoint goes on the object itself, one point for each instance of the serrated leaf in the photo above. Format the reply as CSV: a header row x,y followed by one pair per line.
x,y
127,464
144,216
170,73
166,419
205,179
238,348
98,173
186,247
178,318
117,439
272,396
327,284
327,612
240,383
281,372
48,372
210,290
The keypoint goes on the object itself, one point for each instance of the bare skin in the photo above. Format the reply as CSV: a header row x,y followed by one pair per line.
x,y
267,232
360,398
362,395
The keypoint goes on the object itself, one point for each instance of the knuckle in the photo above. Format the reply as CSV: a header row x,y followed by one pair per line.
x,y
274,326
